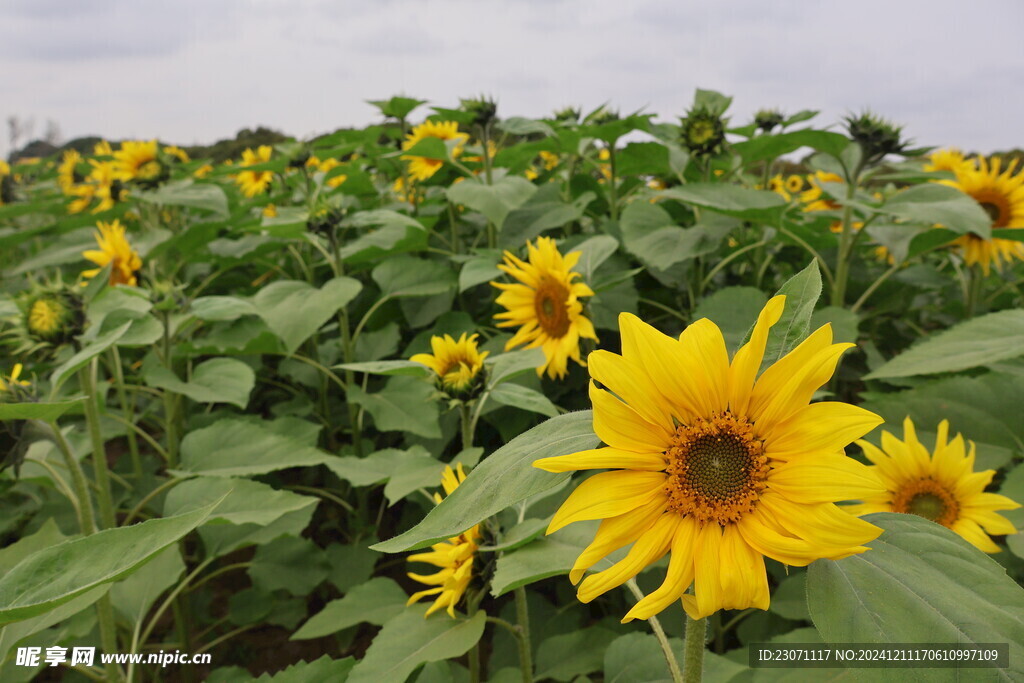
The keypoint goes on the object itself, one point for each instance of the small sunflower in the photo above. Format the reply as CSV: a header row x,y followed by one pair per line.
x,y
178,152
545,305
137,161
253,183
794,183
947,160
11,383
1002,197
714,465
66,170
114,248
102,149
454,557
458,364
203,171
941,486
813,199
421,168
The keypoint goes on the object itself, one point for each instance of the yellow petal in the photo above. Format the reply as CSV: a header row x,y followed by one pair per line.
x,y
649,548
603,459
628,380
743,577
747,360
825,479
608,494
677,579
818,428
620,426
617,532
707,587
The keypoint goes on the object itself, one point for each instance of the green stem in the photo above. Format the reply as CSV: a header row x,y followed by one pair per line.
x,y
128,408
466,420
613,191
975,278
86,520
659,633
523,626
87,377
693,649
847,238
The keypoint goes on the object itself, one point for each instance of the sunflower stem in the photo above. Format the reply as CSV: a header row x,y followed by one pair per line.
x,y
128,408
613,192
468,426
659,633
87,377
693,649
975,278
523,627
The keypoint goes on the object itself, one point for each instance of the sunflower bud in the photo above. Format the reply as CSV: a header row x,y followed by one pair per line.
x,y
457,364
703,131
325,221
602,115
483,109
767,119
876,136
54,315
568,115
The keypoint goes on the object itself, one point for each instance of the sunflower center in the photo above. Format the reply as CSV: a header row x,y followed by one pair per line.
x,y
701,132
550,305
995,212
927,498
717,469
44,316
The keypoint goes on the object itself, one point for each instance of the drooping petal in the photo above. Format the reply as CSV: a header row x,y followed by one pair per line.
x,y
649,548
617,532
608,494
678,577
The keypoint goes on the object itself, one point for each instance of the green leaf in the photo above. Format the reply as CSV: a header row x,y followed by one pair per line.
x,y
397,233
802,292
920,582
765,147
844,323
235,447
511,364
388,367
404,404
980,341
11,634
293,564
519,535
294,310
637,658
397,107
552,555
45,411
790,598
243,501
133,596
732,309
566,656
479,269
377,467
545,210
374,602
77,361
42,581
642,158
670,245
402,276
323,669
732,200
408,640
206,196
493,201
519,396
517,125
503,479
593,252
218,380
220,308
931,203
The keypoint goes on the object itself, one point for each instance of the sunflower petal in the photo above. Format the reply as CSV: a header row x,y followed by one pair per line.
x,y
608,494
649,548
603,459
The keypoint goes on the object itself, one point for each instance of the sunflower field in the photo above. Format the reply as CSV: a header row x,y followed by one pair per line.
x,y
462,397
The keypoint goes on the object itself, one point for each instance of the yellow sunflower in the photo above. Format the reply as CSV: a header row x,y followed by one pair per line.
x,y
457,363
66,170
794,183
203,171
812,198
777,185
253,183
714,467
102,149
545,305
1002,197
12,380
454,557
947,160
178,152
421,168
941,486
114,248
137,160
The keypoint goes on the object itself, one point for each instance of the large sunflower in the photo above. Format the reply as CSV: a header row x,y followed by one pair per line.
x,y
941,486
253,183
454,557
1002,196
115,249
714,467
137,161
456,363
545,305
421,168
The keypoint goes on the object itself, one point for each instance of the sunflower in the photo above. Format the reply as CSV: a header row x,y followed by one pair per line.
x,y
941,486
421,168
114,249
1002,197
66,176
713,467
457,363
777,185
12,382
794,183
102,149
137,161
454,557
175,151
812,199
203,171
545,306
253,183
947,160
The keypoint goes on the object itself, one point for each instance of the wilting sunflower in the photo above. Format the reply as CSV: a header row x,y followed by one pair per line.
x,y
546,305
253,183
1002,197
454,557
941,486
421,168
114,249
713,467
457,363
137,161
947,160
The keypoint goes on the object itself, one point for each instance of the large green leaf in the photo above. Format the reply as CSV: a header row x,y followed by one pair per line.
x,y
765,147
77,361
243,501
59,573
46,411
207,196
980,341
374,602
802,292
395,232
294,310
501,480
731,200
545,210
920,582
236,447
323,669
403,276
388,367
732,309
576,653
493,201
404,404
552,555
934,204
525,398
408,640
218,380
133,596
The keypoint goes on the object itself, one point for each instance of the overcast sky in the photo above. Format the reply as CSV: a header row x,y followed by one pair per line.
x,y
193,71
